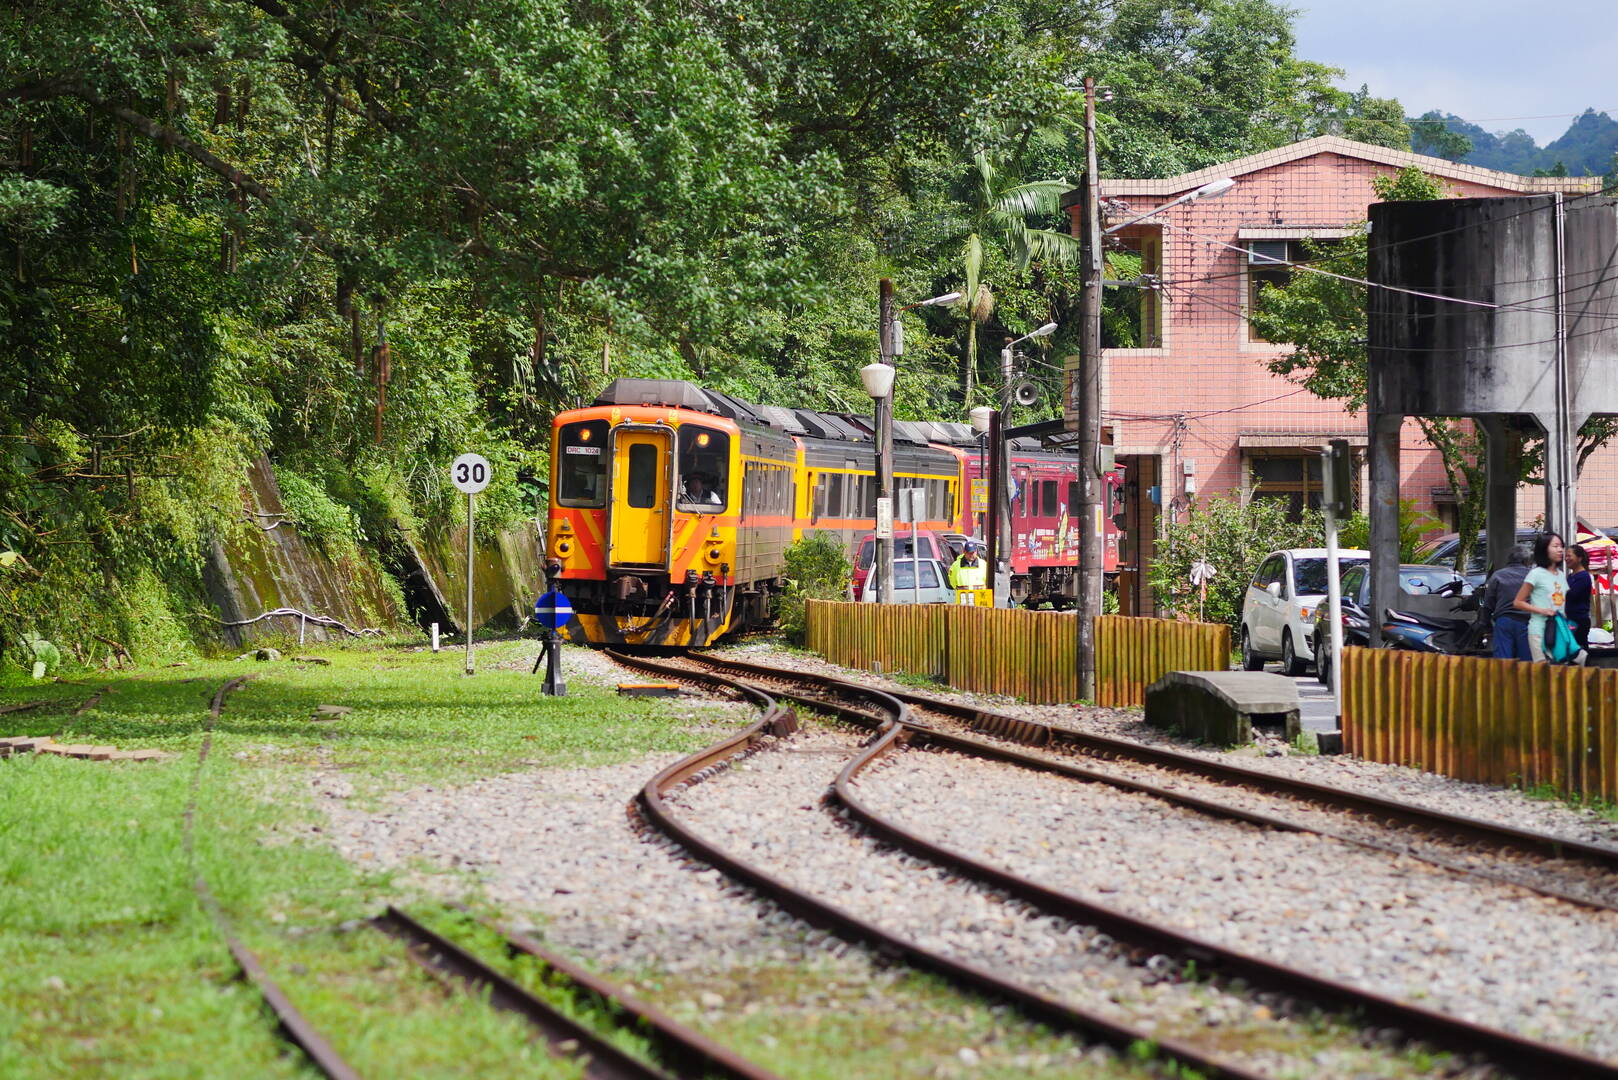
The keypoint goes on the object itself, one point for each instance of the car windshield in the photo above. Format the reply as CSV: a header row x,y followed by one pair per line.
x,y
1309,575
904,575
1419,582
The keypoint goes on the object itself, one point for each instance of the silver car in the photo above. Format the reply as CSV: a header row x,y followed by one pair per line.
x,y
1278,612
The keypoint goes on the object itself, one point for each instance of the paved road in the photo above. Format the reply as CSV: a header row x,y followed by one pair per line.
x,y
1314,700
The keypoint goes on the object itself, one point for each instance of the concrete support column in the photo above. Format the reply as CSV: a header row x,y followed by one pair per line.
x,y
1500,498
1383,436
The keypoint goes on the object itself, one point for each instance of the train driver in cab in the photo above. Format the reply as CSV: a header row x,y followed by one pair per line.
x,y
700,489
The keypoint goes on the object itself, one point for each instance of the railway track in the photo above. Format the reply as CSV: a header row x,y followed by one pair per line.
x,y
680,1052
889,716
1563,868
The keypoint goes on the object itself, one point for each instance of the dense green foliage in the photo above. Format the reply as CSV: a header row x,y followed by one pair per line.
x,y
1231,538
362,238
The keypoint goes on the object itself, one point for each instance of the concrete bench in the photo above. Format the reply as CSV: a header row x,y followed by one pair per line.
x,y
1223,707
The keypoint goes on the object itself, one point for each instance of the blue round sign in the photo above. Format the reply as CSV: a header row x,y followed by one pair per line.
x,y
552,610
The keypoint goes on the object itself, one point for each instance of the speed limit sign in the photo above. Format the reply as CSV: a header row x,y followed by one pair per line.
x,y
470,473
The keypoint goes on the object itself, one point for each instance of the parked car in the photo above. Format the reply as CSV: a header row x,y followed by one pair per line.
x,y
933,546
1278,612
1477,567
933,588
1415,579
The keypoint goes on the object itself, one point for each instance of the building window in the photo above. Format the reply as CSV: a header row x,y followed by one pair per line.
x,y
1270,262
1132,316
1292,480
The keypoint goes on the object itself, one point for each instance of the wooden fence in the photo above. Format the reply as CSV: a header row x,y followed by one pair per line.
x,y
1028,654
1492,721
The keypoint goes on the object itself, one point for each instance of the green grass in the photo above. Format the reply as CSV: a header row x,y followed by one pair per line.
x,y
108,967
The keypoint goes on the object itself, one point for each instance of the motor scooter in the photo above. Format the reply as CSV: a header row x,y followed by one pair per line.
x,y
1450,636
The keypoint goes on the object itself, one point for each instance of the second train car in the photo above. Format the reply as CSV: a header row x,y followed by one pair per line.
x,y
672,506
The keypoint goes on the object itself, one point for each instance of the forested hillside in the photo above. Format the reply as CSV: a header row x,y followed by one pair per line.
x,y
362,237
1587,148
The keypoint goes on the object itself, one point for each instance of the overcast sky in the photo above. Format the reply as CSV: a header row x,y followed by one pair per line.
x,y
1484,60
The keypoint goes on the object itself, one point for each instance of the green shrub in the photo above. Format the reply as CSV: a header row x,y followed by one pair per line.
x,y
817,568
1231,538
319,518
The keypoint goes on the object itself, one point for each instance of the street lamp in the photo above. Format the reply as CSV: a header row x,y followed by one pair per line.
x,y
877,379
896,329
1211,190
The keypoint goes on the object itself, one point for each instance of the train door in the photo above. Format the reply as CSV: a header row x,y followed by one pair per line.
x,y
640,499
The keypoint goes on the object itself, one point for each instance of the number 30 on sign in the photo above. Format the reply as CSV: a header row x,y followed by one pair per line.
x,y
470,473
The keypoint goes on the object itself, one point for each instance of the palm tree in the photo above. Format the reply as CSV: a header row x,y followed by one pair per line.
x,y
1001,208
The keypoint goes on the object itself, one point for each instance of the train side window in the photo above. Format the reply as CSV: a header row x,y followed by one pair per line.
x,y
581,469
834,495
704,458
1073,498
1048,497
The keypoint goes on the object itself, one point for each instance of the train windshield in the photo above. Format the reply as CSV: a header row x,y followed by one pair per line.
x,y
581,464
704,460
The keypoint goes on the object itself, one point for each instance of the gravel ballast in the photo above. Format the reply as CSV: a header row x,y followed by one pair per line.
x,y
1489,953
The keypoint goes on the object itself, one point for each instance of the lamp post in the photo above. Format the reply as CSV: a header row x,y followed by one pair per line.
x,y
1089,387
1002,462
878,381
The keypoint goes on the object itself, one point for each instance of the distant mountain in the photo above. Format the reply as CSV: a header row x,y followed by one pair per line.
x,y
1587,148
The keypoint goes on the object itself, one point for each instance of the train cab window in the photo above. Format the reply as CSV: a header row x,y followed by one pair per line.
x,y
1047,490
704,461
581,469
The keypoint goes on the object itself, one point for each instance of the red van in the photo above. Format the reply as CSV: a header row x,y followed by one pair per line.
x,y
933,546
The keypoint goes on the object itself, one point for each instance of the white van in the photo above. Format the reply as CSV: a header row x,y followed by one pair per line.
x,y
1278,612
933,586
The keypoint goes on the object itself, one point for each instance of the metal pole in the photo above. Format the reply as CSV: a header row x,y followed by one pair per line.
x,y
915,549
1088,601
991,517
884,435
471,536
1561,515
1002,502
1334,588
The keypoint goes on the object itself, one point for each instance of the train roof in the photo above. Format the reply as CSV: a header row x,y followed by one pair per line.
x,y
838,427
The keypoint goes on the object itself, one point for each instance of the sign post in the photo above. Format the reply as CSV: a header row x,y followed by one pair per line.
x,y
1337,497
470,473
552,611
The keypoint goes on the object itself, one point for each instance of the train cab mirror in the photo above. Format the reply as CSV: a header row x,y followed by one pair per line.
x,y
581,464
704,470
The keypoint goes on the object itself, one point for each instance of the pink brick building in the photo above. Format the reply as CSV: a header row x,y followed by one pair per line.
x,y
1194,412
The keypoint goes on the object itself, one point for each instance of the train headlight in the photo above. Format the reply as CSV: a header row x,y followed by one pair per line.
x,y
564,547
714,555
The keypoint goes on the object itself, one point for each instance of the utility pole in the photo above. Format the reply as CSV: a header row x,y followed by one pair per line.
x,y
884,445
1089,409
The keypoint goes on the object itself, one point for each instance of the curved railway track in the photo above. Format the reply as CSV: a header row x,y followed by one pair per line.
x,y
681,1053
889,716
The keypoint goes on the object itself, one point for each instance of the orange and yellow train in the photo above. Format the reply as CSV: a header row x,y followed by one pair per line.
x,y
672,506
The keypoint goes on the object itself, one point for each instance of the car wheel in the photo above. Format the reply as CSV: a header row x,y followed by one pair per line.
x,y
1251,661
1323,664
1290,664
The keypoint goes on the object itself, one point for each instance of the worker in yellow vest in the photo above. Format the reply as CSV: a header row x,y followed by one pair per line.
x,y
968,571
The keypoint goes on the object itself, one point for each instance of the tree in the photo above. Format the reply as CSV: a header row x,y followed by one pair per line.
x,y
1434,133
1001,207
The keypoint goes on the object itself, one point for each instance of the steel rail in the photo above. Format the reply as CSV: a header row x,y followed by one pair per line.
x,y
564,1036
294,1026
834,919
1502,1047
1034,733
686,1053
